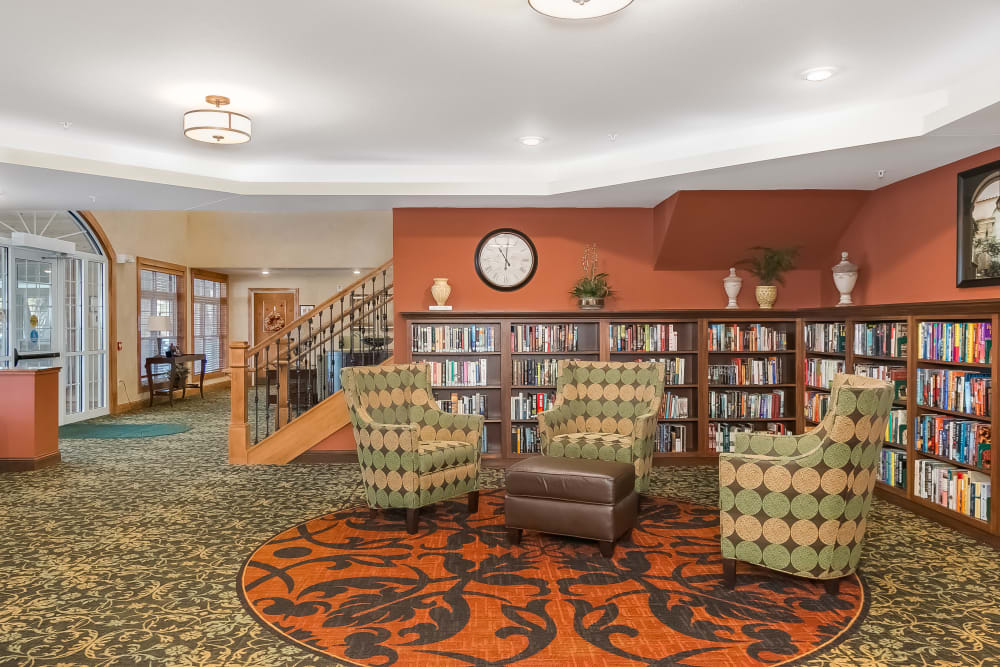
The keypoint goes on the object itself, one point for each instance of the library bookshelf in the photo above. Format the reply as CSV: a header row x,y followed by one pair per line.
x,y
818,342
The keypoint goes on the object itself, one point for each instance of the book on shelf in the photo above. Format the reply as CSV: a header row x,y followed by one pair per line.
x,y
454,373
671,438
746,338
962,440
892,468
675,368
964,342
737,404
453,338
643,337
528,405
467,404
673,406
816,405
820,372
484,443
959,391
967,492
895,428
534,372
545,338
829,337
898,378
747,371
879,371
880,339
722,435
524,440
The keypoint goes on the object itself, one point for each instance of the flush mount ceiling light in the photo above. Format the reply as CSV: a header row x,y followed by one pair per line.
x,y
817,74
265,272
217,126
531,141
578,9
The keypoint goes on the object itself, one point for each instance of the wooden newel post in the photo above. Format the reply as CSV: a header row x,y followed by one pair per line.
x,y
239,427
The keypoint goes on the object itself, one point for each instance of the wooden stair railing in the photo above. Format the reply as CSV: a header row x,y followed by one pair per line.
x,y
294,371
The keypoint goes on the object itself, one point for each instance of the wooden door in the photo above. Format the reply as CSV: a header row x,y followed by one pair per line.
x,y
271,310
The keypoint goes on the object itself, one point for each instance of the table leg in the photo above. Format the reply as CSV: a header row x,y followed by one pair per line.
x,y
170,384
149,382
184,385
201,381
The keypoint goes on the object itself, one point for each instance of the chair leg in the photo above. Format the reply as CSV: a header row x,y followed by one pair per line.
x,y
473,502
832,586
514,536
729,572
607,548
412,520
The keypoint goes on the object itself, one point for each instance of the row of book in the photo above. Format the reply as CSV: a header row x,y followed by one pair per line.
x,y
671,438
464,404
644,337
527,406
746,405
454,338
880,339
892,467
534,372
816,405
965,491
958,391
746,338
525,440
673,406
722,435
962,440
820,372
825,337
452,373
895,375
896,428
545,338
747,371
967,342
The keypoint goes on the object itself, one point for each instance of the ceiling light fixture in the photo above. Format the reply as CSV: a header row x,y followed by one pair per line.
x,y
817,74
531,141
578,9
265,272
357,272
217,126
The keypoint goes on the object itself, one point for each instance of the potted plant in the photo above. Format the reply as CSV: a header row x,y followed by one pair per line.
x,y
592,288
769,265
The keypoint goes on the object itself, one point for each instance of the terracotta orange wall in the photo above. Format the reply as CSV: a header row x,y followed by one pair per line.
x,y
903,240
430,243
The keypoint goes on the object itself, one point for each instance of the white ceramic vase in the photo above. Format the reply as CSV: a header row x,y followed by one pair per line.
x,y
732,284
845,276
440,290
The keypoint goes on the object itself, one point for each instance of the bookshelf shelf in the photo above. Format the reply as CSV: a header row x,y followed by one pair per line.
x,y
455,354
871,357
465,387
555,354
979,524
954,413
831,355
945,459
740,420
895,445
895,490
680,386
750,386
959,364
651,353
533,386
677,419
754,352
812,387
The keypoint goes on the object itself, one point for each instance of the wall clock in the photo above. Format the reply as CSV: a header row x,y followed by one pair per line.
x,y
506,259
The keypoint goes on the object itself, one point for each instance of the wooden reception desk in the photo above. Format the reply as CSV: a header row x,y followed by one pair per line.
x,y
29,418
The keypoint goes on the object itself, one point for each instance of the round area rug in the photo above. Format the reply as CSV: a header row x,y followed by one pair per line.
x,y
85,431
354,586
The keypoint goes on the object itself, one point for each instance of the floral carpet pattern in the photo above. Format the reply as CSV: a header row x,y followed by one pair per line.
x,y
126,554
354,585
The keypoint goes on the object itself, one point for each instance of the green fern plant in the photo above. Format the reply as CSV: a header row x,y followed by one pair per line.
x,y
592,285
769,265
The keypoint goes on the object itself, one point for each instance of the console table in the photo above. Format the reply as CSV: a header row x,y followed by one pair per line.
x,y
173,362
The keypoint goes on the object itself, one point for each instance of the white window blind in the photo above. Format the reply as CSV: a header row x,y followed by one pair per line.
x,y
158,295
211,321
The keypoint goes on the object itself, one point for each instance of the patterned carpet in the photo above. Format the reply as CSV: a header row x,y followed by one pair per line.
x,y
127,554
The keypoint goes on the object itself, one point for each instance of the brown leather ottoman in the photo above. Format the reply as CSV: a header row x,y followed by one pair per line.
x,y
595,500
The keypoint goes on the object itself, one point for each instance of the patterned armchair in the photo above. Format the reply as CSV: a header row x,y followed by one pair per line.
x,y
799,503
605,410
411,453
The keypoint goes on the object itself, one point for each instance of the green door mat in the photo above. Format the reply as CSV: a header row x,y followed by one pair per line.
x,y
108,431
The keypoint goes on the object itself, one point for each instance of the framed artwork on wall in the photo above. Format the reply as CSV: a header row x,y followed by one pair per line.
x,y
978,258
305,308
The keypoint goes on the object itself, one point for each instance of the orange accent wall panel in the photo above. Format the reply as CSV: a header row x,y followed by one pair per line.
x,y
29,418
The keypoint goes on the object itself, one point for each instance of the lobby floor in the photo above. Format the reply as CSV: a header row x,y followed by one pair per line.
x,y
127,554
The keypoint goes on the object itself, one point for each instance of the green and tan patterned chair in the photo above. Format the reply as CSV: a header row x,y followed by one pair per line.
x,y
605,410
799,503
411,453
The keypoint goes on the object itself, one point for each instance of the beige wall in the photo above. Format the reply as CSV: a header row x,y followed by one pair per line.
x,y
320,249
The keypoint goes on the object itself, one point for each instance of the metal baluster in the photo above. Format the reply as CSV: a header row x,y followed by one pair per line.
x,y
331,363
288,380
267,392
256,402
351,315
298,372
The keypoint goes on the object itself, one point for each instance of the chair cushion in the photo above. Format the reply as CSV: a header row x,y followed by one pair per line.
x,y
442,454
579,480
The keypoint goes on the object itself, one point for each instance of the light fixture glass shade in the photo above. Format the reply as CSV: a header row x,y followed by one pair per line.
x,y
578,9
216,126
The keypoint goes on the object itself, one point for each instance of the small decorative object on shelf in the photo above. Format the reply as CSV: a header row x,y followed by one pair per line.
x,y
440,290
845,275
593,288
732,284
769,266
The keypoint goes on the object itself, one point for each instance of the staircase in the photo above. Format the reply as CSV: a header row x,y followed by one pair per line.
x,y
286,394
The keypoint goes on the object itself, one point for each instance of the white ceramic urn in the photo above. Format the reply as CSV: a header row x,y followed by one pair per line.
x,y
845,275
732,284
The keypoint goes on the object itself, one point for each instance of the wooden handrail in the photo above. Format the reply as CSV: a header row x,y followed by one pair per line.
x,y
312,313
320,336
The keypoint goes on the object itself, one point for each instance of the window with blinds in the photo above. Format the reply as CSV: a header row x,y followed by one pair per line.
x,y
161,292
209,297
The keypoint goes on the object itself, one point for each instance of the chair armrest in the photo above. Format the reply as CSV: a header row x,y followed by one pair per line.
x,y
466,428
554,422
643,435
766,444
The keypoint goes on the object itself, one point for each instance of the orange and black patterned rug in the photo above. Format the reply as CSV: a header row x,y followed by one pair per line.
x,y
354,586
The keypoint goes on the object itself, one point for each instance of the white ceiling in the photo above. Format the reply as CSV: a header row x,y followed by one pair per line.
x,y
380,103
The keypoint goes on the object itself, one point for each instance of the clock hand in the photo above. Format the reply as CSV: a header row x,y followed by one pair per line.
x,y
506,261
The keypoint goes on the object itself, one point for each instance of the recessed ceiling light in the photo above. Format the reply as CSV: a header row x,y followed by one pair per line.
x,y
819,73
357,272
578,9
217,126
265,272
531,141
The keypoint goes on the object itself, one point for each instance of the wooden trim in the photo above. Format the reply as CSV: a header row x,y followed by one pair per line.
x,y
27,465
161,266
183,287
943,517
111,307
250,328
202,274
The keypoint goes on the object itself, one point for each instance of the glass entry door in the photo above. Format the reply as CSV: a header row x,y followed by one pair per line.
x,y
34,296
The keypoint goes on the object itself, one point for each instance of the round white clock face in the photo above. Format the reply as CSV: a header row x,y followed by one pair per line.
x,y
506,259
